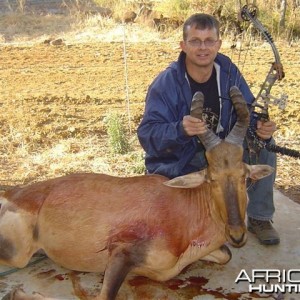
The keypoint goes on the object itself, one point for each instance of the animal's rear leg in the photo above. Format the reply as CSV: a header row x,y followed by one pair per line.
x,y
221,256
121,261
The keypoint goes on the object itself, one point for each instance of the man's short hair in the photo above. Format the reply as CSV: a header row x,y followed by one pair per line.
x,y
201,21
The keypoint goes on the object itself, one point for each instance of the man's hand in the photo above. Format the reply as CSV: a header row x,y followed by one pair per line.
x,y
266,129
193,126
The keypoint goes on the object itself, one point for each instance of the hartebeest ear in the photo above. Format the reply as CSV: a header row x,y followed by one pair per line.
x,y
259,171
187,181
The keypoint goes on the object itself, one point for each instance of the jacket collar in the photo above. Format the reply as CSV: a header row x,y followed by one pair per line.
x,y
181,68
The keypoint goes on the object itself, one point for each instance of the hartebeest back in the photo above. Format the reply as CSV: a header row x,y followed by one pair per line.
x,y
148,224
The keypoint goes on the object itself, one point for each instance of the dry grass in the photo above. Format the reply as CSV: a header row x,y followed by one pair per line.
x,y
45,129
30,29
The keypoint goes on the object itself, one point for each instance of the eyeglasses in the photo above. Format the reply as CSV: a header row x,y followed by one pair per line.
x,y
198,43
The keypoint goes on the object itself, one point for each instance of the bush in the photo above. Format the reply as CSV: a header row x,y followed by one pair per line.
x,y
226,11
117,134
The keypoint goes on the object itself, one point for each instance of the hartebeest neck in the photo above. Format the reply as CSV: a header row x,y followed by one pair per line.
x,y
206,220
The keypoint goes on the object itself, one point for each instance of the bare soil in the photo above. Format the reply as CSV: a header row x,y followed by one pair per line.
x,y
54,101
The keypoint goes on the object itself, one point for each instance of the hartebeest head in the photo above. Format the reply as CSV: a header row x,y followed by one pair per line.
x,y
226,172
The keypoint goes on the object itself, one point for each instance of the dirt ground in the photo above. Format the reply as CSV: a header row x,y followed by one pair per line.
x,y
54,100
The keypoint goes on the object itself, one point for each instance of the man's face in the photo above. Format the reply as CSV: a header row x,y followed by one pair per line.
x,y
201,46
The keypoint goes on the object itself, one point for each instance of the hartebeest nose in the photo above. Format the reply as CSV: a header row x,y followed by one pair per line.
x,y
238,241
236,236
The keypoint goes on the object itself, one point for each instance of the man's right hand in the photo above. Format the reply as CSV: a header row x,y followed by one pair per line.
x,y
193,126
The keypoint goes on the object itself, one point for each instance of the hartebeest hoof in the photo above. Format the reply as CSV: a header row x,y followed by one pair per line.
x,y
221,256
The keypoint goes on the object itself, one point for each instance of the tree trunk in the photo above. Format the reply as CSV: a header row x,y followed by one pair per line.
x,y
282,13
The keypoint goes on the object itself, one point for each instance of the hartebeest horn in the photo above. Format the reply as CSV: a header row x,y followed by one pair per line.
x,y
238,132
209,139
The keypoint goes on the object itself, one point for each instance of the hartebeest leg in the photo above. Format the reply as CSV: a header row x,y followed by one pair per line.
x,y
221,256
121,261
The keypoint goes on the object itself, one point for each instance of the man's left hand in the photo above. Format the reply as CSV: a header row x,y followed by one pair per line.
x,y
266,129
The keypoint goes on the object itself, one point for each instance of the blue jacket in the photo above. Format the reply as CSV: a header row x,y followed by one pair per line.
x,y
169,150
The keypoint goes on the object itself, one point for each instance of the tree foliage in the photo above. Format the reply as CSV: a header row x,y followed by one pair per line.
x,y
280,17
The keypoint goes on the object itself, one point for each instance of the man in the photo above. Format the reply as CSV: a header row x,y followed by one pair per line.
x,y
168,133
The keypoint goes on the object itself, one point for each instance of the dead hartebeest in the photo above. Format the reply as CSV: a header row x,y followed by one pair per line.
x,y
147,225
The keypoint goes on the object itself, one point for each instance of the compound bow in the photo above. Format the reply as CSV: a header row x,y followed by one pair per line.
x,y
263,99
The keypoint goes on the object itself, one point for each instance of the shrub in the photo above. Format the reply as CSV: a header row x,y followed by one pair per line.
x,y
117,134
